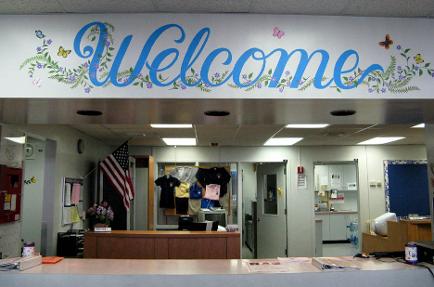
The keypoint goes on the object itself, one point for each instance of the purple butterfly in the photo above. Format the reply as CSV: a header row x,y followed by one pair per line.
x,y
278,33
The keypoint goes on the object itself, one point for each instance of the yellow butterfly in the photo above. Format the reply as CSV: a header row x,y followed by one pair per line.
x,y
418,59
63,53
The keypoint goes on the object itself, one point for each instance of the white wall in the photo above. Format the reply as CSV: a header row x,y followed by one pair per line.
x,y
69,163
301,202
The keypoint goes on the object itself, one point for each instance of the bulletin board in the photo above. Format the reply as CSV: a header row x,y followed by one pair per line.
x,y
406,184
72,200
10,193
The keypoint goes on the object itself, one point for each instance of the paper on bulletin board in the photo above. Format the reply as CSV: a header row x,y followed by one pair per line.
x,y
13,202
301,181
336,181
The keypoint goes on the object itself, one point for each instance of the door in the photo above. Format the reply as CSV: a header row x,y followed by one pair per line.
x,y
272,227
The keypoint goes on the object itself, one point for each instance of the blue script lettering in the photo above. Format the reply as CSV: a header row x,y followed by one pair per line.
x,y
254,58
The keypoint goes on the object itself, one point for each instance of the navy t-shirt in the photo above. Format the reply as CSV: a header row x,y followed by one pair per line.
x,y
215,175
195,191
167,184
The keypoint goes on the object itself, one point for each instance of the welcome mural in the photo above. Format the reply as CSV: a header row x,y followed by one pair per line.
x,y
218,56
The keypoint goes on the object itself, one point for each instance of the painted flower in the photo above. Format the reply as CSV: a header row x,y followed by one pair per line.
x,y
71,78
39,66
149,85
107,43
38,49
432,75
383,90
416,68
87,90
287,73
217,75
259,85
281,89
399,68
183,86
370,90
350,79
401,77
49,41
206,85
85,65
398,47
244,76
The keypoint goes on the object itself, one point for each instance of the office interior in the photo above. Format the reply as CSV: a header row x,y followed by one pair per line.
x,y
313,198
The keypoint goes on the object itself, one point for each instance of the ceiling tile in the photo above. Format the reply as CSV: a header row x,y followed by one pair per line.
x,y
108,6
30,7
205,6
317,7
390,8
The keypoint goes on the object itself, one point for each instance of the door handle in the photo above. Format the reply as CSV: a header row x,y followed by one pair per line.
x,y
258,219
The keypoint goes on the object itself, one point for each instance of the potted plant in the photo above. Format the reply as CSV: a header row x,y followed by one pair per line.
x,y
100,215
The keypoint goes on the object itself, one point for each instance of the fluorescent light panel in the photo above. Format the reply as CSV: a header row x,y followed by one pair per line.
x,y
419,126
20,140
171,126
282,141
306,126
380,140
180,141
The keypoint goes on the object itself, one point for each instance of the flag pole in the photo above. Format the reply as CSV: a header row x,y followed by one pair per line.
x,y
96,167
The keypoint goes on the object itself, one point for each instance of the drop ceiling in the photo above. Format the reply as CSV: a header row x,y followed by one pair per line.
x,y
251,135
383,8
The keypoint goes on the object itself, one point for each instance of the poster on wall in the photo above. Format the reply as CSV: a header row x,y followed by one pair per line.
x,y
216,56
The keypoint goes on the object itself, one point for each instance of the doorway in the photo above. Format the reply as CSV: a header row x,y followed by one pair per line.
x,y
264,210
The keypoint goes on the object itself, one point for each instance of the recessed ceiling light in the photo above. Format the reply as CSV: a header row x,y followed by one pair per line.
x,y
282,141
180,141
171,126
217,113
306,126
419,126
380,140
20,140
342,113
90,113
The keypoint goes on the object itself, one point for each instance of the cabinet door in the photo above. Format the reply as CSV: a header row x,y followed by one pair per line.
x,y
325,226
338,227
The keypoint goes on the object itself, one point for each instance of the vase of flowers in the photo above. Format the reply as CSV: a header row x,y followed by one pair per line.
x,y
100,214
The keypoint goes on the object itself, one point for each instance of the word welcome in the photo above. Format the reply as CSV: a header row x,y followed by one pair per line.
x,y
165,59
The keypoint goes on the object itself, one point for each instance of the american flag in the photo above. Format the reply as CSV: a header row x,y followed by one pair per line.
x,y
116,168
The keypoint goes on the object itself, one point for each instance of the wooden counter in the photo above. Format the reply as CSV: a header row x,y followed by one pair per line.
x,y
399,233
123,244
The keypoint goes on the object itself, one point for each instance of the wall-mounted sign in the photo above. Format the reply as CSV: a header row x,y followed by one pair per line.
x,y
215,56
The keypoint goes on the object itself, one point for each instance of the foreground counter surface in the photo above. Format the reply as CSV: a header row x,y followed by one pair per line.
x,y
210,273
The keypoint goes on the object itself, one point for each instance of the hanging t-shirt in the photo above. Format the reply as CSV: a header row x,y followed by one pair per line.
x,y
212,191
215,175
181,191
167,184
196,191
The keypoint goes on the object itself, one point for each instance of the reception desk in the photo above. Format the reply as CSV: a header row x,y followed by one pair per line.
x,y
211,273
123,244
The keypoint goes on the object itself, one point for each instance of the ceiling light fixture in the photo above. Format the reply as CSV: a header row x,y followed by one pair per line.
x,y
343,113
180,141
217,113
380,140
19,140
171,126
306,126
282,141
89,113
419,126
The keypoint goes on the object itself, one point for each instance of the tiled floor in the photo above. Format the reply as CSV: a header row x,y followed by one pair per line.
x,y
339,249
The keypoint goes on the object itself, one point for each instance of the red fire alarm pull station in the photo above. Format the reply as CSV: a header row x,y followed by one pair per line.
x,y
10,193
300,169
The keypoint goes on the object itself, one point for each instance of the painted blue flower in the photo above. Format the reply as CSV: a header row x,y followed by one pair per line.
x,y
39,49
370,90
107,43
49,41
399,68
217,75
206,85
287,73
416,68
183,86
350,79
281,89
244,76
87,90
39,66
398,47
432,75
259,85
71,78
149,85
85,65
401,77
383,90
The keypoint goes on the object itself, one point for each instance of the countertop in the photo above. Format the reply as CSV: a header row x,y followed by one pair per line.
x,y
335,212
211,273
162,233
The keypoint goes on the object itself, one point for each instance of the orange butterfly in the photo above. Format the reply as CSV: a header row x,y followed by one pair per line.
x,y
387,42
